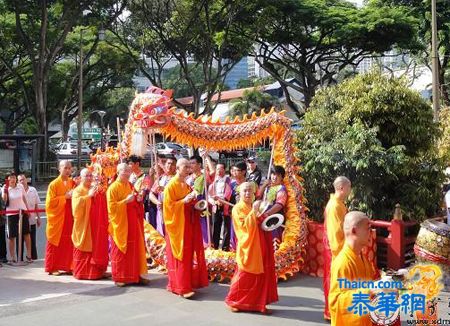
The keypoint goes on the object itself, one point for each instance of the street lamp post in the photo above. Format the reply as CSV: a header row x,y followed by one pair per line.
x,y
80,102
101,37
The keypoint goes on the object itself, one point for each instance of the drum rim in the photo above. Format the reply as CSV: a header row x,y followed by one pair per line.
x,y
276,226
437,227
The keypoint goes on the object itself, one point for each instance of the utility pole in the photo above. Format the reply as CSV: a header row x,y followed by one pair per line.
x,y
80,103
434,61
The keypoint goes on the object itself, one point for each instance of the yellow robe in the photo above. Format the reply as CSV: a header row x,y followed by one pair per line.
x,y
334,219
81,207
248,254
55,204
117,211
350,266
174,219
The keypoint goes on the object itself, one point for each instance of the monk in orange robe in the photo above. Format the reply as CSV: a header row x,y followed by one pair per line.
x,y
254,284
126,227
90,233
58,206
350,264
186,264
333,238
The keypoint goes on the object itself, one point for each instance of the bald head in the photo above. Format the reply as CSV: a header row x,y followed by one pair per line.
x,y
86,177
183,168
247,192
357,228
63,163
65,168
341,181
123,172
353,219
342,187
122,167
181,162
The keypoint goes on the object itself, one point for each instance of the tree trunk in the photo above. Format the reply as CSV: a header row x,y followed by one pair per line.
x,y
41,113
65,125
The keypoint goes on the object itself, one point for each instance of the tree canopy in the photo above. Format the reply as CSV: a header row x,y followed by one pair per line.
x,y
313,40
381,135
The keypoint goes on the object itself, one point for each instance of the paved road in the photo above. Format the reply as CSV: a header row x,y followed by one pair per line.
x,y
28,296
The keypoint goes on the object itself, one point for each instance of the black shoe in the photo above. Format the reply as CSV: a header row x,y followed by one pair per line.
x,y
4,260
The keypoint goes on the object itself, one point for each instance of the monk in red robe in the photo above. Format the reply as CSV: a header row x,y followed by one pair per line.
x,y
126,227
184,244
90,230
58,206
333,238
254,284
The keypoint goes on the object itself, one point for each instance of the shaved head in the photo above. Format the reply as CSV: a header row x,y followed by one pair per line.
x,y
123,172
247,192
65,168
246,185
357,228
122,167
353,219
183,168
84,172
181,162
63,163
86,177
340,182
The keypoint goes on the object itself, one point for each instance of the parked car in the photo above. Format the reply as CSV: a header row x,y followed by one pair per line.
x,y
71,149
169,149
237,153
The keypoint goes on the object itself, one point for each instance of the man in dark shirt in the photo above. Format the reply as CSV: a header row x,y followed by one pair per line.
x,y
254,172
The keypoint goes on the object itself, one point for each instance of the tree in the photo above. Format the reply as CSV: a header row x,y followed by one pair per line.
x,y
381,135
172,78
422,11
198,35
105,68
313,40
40,28
253,101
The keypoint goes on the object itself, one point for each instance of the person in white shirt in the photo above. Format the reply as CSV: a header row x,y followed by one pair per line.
x,y
15,196
33,202
219,190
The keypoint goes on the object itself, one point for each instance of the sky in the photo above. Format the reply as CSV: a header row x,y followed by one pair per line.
x,y
358,2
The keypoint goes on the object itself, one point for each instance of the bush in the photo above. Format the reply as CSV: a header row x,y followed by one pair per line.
x,y
444,141
381,135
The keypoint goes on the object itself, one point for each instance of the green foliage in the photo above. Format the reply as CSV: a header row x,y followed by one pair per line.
x,y
313,40
253,101
244,83
381,135
205,34
444,141
173,79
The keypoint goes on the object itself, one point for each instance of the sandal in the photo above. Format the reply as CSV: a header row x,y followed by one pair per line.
x,y
29,260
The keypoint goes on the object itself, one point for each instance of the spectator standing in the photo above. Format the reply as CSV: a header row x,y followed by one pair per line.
x,y
34,218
